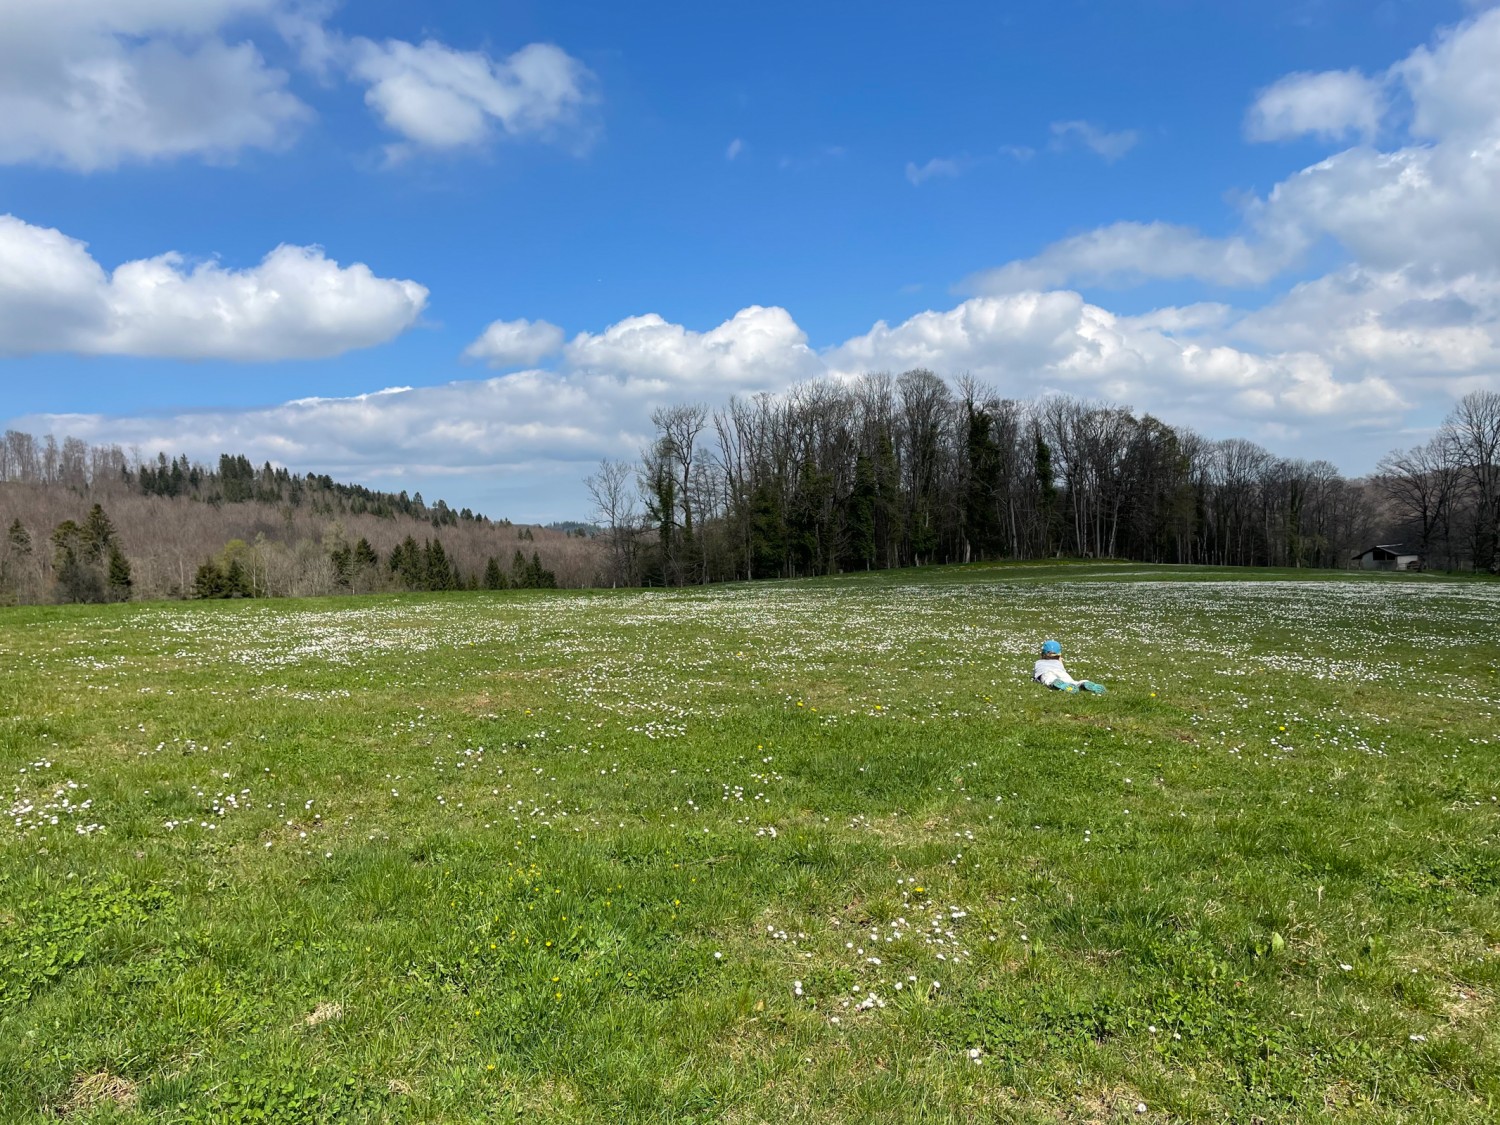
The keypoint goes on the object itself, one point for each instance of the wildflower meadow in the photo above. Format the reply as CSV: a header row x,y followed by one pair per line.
x,y
784,852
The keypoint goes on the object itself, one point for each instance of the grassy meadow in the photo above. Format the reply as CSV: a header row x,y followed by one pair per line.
x,y
804,852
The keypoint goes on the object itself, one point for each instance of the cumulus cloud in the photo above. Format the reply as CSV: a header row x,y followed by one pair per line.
x,y
1101,142
1331,105
295,304
598,400
1030,342
1454,84
515,343
1426,206
89,84
1129,253
437,97
92,84
759,348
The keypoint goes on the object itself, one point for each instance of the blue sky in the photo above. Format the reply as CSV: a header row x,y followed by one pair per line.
x,y
1264,219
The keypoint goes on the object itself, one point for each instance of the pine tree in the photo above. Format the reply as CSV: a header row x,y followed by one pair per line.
x,y
343,565
494,577
78,578
861,514
209,582
365,557
887,501
538,577
981,520
20,538
236,581
407,564
98,535
119,575
1046,494
440,573
767,530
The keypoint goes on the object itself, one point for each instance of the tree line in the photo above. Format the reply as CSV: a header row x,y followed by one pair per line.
x,y
1445,493
73,463
889,471
87,523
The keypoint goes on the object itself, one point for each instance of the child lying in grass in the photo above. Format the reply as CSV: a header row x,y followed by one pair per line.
x,y
1049,672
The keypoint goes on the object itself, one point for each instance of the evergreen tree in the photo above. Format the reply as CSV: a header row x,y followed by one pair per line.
x,y
1046,483
539,577
981,522
887,500
440,572
97,535
19,538
407,564
767,530
860,515
118,575
236,581
494,577
365,557
209,582
12,561
79,579
343,565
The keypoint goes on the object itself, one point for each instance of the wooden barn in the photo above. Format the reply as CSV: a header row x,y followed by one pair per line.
x,y
1386,556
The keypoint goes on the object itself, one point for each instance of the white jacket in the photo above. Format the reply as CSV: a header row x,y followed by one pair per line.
x,y
1049,670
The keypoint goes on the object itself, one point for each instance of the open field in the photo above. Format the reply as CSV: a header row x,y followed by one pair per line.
x,y
797,853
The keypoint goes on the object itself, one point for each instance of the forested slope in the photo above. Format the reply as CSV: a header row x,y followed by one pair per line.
x,y
71,512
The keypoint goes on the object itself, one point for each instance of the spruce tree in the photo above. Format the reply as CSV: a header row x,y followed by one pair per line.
x,y
861,514
119,575
98,535
365,557
236,581
209,581
494,577
343,565
19,538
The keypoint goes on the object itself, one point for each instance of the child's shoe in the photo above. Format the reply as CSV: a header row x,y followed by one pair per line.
x,y
1089,685
1071,689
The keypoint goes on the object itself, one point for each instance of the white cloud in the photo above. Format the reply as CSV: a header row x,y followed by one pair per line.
x,y
295,304
937,166
437,97
1129,253
1331,105
515,343
736,147
1029,342
549,426
1424,206
1101,142
759,348
1455,84
91,84
1434,334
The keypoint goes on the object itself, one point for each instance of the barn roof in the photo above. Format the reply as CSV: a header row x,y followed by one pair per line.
x,y
1389,548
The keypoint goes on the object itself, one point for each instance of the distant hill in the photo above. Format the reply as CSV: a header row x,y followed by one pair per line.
x,y
265,531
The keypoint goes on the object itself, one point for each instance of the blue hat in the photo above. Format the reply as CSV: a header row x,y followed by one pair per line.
x,y
1051,648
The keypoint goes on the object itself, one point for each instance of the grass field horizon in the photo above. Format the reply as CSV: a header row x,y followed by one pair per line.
x,y
795,851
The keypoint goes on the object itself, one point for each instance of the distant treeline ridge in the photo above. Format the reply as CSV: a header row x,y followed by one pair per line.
x,y
88,523
888,472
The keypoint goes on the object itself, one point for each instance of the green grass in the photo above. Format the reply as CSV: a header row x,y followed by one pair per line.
x,y
572,857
